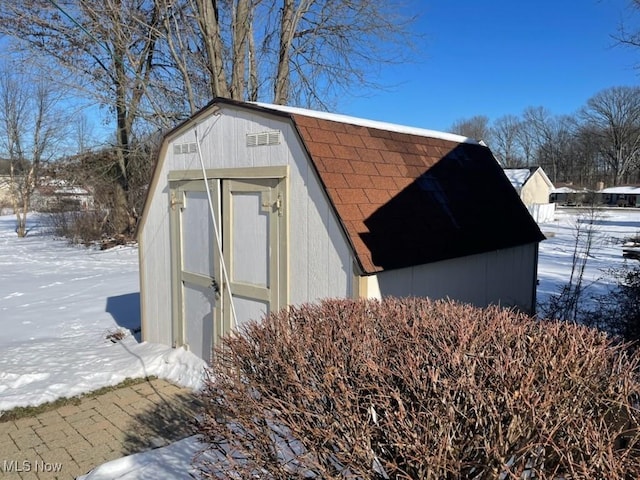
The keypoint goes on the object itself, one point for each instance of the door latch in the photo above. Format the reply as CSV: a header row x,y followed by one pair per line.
x,y
216,288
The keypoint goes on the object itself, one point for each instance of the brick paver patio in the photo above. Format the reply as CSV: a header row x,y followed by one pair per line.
x,y
71,440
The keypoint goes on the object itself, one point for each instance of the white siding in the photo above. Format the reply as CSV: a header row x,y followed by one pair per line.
x,y
542,212
319,256
505,277
536,190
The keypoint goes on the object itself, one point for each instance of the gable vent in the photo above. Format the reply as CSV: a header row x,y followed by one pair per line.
x,y
182,148
263,138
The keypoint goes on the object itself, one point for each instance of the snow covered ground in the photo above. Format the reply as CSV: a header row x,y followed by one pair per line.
x,y
611,228
58,304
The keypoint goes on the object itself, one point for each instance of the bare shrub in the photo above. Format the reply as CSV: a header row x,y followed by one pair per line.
x,y
79,226
618,311
116,209
416,389
567,304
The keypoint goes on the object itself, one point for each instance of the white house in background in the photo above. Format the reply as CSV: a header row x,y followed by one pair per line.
x,y
570,196
622,196
49,195
534,188
5,194
253,207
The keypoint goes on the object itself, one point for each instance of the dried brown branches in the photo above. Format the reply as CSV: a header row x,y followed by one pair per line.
x,y
415,389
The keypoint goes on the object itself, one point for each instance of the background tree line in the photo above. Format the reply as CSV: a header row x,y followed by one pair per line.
x,y
149,64
599,143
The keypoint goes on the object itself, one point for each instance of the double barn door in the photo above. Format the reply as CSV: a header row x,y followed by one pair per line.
x,y
214,294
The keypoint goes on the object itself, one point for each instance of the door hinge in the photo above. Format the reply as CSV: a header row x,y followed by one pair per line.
x,y
276,206
174,202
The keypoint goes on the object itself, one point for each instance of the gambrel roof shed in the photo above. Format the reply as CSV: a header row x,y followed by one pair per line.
x,y
410,196
304,205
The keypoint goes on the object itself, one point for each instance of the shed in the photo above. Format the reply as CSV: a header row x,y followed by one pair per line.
x,y
534,187
531,183
253,207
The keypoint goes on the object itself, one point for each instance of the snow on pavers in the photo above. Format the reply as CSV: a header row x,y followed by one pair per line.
x,y
72,439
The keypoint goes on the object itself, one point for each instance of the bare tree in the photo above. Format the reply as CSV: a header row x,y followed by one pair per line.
x,y
504,135
153,63
567,305
614,117
83,132
526,140
31,124
476,127
191,78
625,35
209,21
302,52
584,165
109,47
549,135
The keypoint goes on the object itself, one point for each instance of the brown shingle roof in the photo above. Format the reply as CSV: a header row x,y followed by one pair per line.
x,y
406,199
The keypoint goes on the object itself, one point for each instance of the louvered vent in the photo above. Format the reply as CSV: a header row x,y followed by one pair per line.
x,y
263,138
182,148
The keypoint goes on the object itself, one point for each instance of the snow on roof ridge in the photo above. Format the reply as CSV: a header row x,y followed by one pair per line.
x,y
517,176
632,189
363,122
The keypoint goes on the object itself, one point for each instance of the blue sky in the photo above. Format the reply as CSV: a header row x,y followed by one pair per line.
x,y
498,57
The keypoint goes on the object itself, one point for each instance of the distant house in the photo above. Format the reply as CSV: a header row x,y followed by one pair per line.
x,y
5,195
570,195
59,195
5,185
253,207
622,196
49,195
534,188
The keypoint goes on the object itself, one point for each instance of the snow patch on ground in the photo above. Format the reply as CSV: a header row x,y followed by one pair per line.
x,y
172,461
58,305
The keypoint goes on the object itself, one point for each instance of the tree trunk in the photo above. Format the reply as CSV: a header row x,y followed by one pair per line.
x,y
253,83
210,27
287,28
121,216
21,198
241,28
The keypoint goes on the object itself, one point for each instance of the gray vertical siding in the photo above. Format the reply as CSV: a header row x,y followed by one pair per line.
x,y
320,258
506,277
